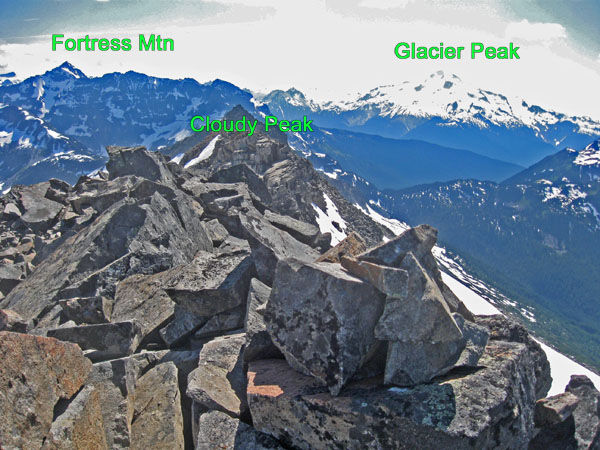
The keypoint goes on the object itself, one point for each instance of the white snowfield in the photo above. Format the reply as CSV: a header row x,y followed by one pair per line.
x,y
447,96
561,366
204,154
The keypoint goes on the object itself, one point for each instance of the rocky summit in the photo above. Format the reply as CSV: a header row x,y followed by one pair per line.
x,y
233,298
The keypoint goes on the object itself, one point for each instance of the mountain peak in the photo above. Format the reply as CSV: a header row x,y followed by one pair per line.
x,y
66,70
590,155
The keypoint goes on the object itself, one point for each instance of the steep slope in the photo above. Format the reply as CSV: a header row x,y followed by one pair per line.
x,y
445,111
395,163
534,236
31,150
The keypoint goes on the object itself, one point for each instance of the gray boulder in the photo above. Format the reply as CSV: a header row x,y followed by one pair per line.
x,y
103,341
312,318
418,240
212,283
138,161
411,363
80,425
114,381
142,298
89,310
158,422
489,408
12,321
554,410
219,381
502,328
217,430
420,314
216,232
259,344
271,245
389,280
587,412
218,324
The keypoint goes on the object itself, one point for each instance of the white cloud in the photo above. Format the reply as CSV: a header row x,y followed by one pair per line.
x,y
328,51
542,32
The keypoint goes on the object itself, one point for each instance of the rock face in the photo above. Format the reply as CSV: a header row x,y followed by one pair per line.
x,y
36,374
80,426
259,344
219,382
587,412
105,341
487,409
311,316
217,430
157,420
503,329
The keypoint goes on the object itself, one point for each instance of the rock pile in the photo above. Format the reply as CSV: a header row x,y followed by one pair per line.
x,y
159,307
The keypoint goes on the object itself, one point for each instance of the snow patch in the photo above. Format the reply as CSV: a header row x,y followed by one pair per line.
x,y
204,154
328,220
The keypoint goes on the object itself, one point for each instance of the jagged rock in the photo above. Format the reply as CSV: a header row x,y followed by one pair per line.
x,y
90,310
270,245
259,344
219,382
352,245
555,425
10,276
389,280
419,241
157,420
242,173
555,409
232,319
12,321
212,283
217,430
38,212
421,315
126,239
587,412
183,325
232,244
216,232
36,372
138,161
504,329
410,363
106,341
11,211
488,408
185,362
312,318
304,232
115,383
209,192
80,426
142,298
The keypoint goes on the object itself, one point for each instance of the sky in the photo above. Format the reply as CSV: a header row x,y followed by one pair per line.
x,y
325,48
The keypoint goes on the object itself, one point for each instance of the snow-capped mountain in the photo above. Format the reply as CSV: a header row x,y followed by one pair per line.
x,y
443,110
31,150
118,108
